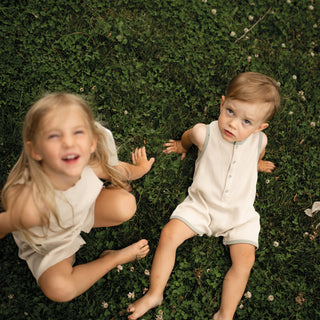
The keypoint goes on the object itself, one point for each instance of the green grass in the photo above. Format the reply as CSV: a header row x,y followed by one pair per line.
x,y
152,69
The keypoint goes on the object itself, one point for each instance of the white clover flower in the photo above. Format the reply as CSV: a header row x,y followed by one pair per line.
x,y
119,267
267,181
245,30
306,234
241,306
283,45
312,124
145,290
125,112
147,272
249,59
294,77
81,89
301,93
214,11
303,98
131,295
250,18
160,312
289,1
256,55
232,34
312,54
311,7
11,296
290,113
131,269
104,305
208,270
276,244
248,295
271,297
279,84
205,1
315,26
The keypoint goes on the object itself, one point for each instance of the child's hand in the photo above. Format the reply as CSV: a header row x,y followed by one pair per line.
x,y
175,146
139,159
266,166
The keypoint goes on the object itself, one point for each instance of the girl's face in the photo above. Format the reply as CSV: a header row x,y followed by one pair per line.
x,y
239,119
64,145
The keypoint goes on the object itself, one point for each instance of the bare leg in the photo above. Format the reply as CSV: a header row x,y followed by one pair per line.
x,y
113,207
235,281
172,235
62,282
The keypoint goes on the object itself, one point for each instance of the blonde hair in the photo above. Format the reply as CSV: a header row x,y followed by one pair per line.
x,y
28,171
255,87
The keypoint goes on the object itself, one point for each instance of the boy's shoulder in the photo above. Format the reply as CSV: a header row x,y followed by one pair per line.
x,y
199,132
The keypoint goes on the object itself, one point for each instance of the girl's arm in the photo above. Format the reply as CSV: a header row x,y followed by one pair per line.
x,y
128,172
195,135
21,212
265,166
141,165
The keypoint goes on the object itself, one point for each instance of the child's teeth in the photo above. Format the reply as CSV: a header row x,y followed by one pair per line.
x,y
70,157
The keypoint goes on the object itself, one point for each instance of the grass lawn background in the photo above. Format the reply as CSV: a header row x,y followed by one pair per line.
x,y
151,70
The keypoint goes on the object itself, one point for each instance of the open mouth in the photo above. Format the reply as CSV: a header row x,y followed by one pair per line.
x,y
71,157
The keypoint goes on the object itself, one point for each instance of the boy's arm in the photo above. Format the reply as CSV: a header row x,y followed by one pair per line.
x,y
141,165
265,166
195,135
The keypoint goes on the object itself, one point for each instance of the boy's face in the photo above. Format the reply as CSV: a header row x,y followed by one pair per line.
x,y
239,119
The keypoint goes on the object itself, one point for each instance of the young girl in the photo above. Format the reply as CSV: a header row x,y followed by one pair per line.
x,y
221,197
54,192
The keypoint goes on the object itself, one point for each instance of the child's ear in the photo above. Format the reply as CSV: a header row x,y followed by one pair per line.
x,y
262,126
34,153
223,100
94,143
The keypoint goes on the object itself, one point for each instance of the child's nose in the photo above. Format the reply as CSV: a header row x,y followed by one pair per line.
x,y
233,123
68,140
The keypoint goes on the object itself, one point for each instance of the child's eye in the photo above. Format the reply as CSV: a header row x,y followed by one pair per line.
x,y
247,122
230,112
53,136
79,132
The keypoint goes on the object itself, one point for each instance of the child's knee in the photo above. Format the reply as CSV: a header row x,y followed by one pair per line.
x,y
127,207
57,290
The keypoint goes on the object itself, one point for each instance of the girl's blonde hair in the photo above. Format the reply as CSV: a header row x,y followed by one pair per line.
x,y
28,171
255,87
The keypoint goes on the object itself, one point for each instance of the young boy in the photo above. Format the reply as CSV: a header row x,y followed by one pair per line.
x,y
220,199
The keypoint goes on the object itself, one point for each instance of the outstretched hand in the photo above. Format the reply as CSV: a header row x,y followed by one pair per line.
x,y
266,166
139,159
176,147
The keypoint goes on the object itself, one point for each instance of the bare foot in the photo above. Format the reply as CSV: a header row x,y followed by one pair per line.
x,y
144,304
137,250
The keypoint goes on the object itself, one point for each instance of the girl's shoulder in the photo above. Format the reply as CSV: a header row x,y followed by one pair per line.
x,y
22,208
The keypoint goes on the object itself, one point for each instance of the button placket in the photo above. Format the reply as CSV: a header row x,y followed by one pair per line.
x,y
230,172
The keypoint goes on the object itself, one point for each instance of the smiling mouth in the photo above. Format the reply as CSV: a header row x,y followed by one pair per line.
x,y
70,157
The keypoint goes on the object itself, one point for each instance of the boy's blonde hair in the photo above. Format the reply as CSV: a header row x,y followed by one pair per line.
x,y
28,171
255,87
